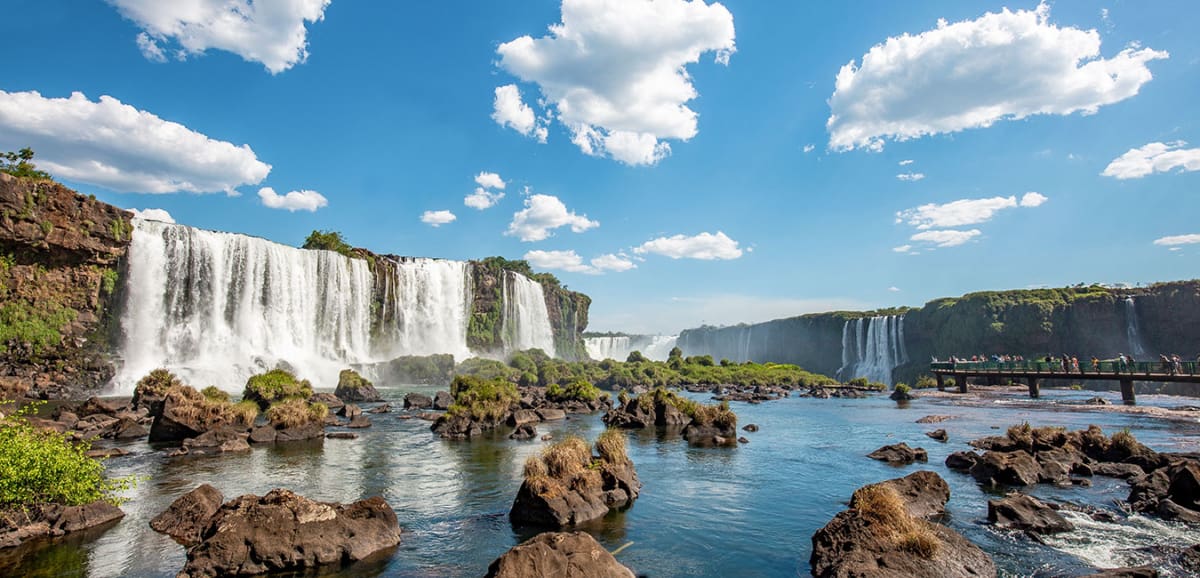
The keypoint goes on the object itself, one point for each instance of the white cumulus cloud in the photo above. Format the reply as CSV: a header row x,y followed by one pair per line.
x,y
1154,157
270,32
293,201
905,162
910,176
946,238
509,109
704,246
613,72
570,261
963,211
541,215
489,181
116,146
482,199
971,74
1032,199
902,248
1178,240
894,289
160,215
437,218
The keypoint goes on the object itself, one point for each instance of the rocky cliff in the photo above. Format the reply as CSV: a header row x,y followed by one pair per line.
x,y
60,264
568,309
1081,321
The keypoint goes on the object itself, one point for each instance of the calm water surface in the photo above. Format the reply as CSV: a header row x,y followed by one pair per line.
x,y
749,511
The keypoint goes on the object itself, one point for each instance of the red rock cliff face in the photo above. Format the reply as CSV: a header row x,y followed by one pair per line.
x,y
60,259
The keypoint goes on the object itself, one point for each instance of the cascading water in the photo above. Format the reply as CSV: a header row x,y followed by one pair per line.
x,y
1132,332
872,347
215,308
607,347
426,304
526,319
618,347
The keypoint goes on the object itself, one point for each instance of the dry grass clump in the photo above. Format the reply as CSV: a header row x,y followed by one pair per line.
x,y
213,394
719,416
1125,442
884,510
190,404
155,385
611,447
567,458
296,413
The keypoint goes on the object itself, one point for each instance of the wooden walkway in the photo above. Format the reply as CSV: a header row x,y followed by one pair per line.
x,y
1033,372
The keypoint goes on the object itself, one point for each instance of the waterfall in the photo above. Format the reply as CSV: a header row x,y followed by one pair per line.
x,y
872,347
1136,348
601,348
216,308
618,347
526,319
425,307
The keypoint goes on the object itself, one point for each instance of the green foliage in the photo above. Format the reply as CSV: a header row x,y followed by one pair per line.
x,y
579,390
120,229
636,357
329,241
20,164
482,399
108,281
155,384
926,382
350,379
858,382
47,227
37,325
296,412
275,385
211,393
44,466
902,388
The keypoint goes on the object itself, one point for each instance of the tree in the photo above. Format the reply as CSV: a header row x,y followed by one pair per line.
x,y
20,164
328,241
676,353
635,357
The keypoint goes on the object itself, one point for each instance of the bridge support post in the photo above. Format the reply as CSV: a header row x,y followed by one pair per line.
x,y
1127,392
940,382
1035,387
962,383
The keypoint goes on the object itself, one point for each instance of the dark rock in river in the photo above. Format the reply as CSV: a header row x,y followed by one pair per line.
x,y
442,400
573,555
939,435
885,534
217,441
523,432
522,417
935,418
1023,512
1173,492
350,411
331,401
186,414
359,422
189,514
899,454
1012,468
567,485
961,461
341,435
710,435
416,400
52,520
551,414
750,428
353,387
283,532
1140,572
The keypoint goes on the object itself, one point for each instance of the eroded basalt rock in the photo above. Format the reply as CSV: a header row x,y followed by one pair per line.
x,y
53,520
573,555
1024,512
899,454
189,514
283,531
567,485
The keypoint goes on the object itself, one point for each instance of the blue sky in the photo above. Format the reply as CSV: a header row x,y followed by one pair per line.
x,y
393,113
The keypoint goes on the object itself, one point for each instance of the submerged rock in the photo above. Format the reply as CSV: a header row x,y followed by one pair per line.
x,y
885,534
283,531
573,555
53,520
523,432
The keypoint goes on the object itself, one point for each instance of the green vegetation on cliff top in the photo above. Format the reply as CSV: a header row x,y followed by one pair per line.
x,y
20,164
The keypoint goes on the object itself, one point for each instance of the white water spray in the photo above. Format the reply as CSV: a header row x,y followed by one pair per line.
x,y
526,319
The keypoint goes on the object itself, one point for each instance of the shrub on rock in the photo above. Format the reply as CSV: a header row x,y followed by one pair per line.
x,y
151,389
187,413
275,385
353,387
568,485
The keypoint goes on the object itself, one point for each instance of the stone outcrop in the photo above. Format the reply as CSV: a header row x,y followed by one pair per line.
x,y
885,534
53,520
567,485
899,454
282,532
1024,512
701,425
569,555
354,388
64,255
188,515
186,413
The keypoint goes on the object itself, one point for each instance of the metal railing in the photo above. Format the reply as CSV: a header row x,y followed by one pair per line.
x,y
1189,368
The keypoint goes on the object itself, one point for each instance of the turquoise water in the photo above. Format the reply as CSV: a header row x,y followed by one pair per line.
x,y
748,511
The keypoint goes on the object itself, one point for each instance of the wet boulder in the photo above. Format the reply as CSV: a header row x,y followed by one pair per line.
x,y
1024,512
885,535
1006,468
53,520
416,400
939,435
331,401
217,441
353,387
574,555
962,461
189,514
442,400
285,532
899,454
567,485
524,432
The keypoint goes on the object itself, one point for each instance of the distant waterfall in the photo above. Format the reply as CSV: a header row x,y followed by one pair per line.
x,y
872,347
526,319
216,308
425,307
610,347
1132,332
618,347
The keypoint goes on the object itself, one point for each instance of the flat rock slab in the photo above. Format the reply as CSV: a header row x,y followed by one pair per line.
x,y
899,454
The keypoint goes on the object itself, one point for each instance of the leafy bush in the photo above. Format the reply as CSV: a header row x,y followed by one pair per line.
x,y
275,385
902,388
40,466
350,379
328,241
926,382
36,325
211,393
108,281
482,399
20,164
636,357
858,382
154,385
580,390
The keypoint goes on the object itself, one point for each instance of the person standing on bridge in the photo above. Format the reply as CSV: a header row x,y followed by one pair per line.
x,y
1095,364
